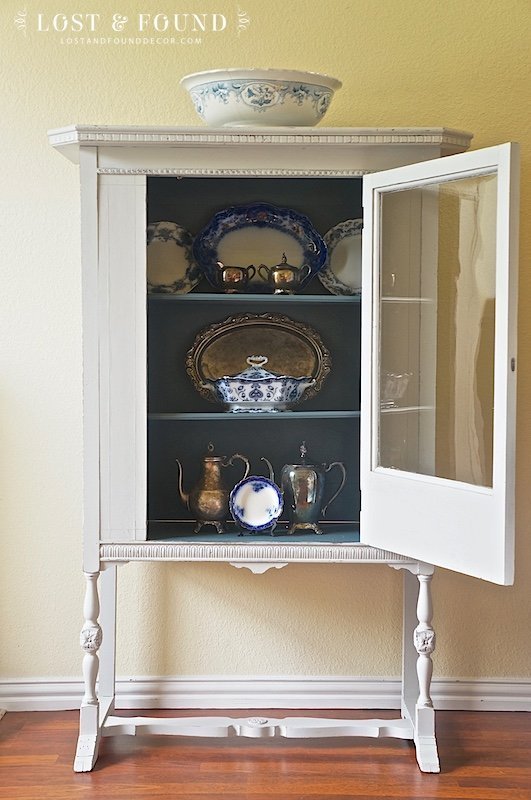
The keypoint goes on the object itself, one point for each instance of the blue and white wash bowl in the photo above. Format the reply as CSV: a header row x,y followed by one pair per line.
x,y
260,97
257,390
256,503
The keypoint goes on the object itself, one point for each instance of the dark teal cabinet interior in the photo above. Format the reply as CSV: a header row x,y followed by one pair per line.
x,y
181,423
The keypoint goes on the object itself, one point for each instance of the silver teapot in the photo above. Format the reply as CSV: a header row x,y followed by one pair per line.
x,y
303,487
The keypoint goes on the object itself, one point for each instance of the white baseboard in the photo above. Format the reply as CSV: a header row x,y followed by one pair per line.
x,y
268,692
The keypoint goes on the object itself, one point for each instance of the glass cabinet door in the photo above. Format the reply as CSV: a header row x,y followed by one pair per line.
x,y
439,349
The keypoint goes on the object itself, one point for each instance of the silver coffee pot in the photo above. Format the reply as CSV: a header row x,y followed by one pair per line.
x,y
303,486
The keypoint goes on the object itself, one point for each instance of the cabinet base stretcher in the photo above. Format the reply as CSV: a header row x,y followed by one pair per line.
x,y
417,721
257,728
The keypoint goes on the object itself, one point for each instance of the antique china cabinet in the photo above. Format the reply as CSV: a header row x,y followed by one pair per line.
x,y
429,461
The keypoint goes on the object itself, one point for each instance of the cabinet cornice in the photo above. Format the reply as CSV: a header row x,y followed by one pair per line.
x,y
72,137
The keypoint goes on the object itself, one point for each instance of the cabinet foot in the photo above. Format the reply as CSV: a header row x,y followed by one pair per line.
x,y
86,752
427,755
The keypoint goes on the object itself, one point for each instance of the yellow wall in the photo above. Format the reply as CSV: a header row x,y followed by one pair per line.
x,y
414,62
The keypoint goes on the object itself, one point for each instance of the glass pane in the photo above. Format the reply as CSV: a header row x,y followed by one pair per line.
x,y
437,300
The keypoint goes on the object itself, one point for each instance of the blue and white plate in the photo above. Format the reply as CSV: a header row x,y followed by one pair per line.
x,y
171,267
256,503
342,271
256,234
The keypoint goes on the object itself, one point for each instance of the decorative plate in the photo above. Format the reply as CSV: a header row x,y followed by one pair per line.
x,y
256,234
171,267
291,348
342,271
256,503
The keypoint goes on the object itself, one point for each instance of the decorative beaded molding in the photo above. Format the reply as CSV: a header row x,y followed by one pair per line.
x,y
284,173
96,135
287,553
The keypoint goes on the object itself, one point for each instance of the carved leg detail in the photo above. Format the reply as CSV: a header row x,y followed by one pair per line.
x,y
424,639
90,640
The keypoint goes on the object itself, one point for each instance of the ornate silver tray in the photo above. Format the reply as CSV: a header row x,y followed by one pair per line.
x,y
291,347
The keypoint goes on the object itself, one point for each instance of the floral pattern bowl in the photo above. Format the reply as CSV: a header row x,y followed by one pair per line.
x,y
260,97
256,503
258,390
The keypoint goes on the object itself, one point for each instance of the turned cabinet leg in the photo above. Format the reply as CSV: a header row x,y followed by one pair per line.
x,y
424,641
424,637
90,640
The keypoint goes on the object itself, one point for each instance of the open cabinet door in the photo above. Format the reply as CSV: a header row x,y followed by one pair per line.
x,y
438,361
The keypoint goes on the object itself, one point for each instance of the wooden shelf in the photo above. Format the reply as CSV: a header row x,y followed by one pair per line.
x,y
406,409
408,300
182,531
227,416
210,297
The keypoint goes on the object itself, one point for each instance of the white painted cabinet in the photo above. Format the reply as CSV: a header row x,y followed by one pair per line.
x,y
431,344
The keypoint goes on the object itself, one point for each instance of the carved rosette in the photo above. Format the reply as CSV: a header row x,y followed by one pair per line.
x,y
90,639
424,640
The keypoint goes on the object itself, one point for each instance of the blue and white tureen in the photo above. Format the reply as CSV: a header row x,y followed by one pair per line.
x,y
258,390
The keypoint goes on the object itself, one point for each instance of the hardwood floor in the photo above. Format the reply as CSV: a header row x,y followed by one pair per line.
x,y
484,756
